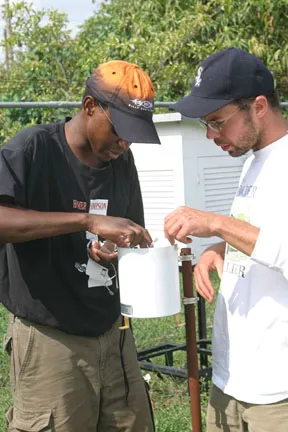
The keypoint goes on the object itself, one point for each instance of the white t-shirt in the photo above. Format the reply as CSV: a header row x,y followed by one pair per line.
x,y
250,332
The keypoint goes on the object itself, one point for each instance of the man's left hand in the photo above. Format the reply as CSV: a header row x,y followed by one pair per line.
x,y
107,251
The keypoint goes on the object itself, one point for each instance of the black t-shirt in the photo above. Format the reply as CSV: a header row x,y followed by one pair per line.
x,y
44,280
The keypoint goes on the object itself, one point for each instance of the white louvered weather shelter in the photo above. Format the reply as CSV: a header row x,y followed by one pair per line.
x,y
186,169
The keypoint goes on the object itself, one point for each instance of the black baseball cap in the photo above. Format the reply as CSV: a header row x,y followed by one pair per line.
x,y
222,78
129,93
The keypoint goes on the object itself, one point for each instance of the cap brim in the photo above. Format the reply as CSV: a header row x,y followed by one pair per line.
x,y
195,107
133,128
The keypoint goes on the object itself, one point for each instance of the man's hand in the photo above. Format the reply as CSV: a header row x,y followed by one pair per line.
x,y
22,225
106,251
211,259
186,221
122,232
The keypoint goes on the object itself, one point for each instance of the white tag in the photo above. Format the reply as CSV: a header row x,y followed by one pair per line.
x,y
99,207
98,275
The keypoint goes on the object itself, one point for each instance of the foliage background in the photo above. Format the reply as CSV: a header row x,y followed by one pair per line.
x,y
167,38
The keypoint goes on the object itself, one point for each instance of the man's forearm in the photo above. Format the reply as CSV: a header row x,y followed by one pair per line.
x,y
218,248
21,225
237,233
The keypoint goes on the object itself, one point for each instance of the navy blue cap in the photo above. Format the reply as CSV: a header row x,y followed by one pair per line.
x,y
222,78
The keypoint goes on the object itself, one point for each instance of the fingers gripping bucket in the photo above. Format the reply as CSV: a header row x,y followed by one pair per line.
x,y
149,282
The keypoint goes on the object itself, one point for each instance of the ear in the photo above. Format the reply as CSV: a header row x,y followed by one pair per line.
x,y
89,105
260,106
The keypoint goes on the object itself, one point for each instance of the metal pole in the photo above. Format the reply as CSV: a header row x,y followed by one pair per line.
x,y
75,104
192,359
59,104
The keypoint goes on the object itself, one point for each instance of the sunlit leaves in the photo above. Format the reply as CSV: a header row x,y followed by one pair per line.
x,y
168,38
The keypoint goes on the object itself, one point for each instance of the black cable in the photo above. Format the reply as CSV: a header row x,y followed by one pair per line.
x,y
121,345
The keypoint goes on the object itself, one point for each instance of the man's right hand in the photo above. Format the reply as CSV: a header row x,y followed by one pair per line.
x,y
211,259
123,232
19,225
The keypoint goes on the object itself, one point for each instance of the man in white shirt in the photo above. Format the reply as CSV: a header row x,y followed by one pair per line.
x,y
234,97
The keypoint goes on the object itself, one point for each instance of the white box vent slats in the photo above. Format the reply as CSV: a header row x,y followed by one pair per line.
x,y
220,184
158,195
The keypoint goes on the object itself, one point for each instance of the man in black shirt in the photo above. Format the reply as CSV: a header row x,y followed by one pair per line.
x,y
64,190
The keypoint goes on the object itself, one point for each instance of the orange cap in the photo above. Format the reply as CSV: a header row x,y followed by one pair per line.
x,y
129,93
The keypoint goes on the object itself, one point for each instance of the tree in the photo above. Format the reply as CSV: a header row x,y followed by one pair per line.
x,y
44,67
167,38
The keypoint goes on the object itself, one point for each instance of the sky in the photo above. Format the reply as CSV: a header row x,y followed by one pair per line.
x,y
77,10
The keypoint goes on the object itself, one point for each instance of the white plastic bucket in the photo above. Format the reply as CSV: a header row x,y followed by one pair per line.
x,y
149,282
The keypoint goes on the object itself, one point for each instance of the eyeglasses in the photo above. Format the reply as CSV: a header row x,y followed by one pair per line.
x,y
106,115
217,126
112,126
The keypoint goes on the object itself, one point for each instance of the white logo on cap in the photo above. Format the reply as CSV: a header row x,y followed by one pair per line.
x,y
143,105
198,78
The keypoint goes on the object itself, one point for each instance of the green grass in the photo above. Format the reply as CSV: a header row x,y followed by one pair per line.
x,y
5,395
169,395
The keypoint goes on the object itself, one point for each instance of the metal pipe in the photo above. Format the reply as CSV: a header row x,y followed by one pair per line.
x,y
191,342
74,104
58,104
51,104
